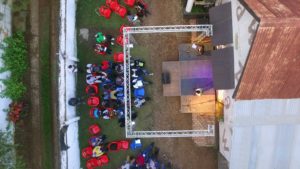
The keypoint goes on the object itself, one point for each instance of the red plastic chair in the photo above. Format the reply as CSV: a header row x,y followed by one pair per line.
x,y
93,101
105,65
103,159
94,88
121,11
92,112
129,2
105,11
121,28
120,40
113,4
94,129
119,57
118,145
87,152
91,163
97,162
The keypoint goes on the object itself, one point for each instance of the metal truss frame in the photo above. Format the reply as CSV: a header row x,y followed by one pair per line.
x,y
129,129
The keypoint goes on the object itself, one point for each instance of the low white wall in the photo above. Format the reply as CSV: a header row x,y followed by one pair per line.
x,y
70,159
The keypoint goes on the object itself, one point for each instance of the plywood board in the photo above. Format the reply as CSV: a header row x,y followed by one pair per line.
x,y
204,104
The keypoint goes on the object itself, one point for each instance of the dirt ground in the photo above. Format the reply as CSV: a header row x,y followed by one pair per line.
x,y
182,152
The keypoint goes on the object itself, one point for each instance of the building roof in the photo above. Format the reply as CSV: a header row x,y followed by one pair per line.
x,y
272,69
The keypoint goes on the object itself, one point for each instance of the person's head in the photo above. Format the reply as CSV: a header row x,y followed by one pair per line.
x,y
70,66
128,12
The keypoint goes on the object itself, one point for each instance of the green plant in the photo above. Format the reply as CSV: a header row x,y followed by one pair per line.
x,y
8,158
14,60
14,89
15,56
20,5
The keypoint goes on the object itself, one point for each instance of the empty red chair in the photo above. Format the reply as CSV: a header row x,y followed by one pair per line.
x,y
105,11
93,101
121,11
87,152
94,129
91,163
118,145
113,4
121,28
97,162
103,159
129,2
92,89
105,65
119,57
120,40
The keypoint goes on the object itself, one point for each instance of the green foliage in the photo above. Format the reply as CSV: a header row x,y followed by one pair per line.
x,y
20,5
15,56
14,89
8,158
14,60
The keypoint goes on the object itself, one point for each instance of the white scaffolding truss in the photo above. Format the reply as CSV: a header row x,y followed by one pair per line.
x,y
127,31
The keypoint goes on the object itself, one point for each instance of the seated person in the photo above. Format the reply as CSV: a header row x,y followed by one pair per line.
x,y
91,79
100,38
133,19
141,9
102,49
139,102
199,48
97,140
98,151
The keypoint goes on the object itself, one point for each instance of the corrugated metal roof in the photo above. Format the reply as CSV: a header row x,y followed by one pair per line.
x,y
261,134
272,69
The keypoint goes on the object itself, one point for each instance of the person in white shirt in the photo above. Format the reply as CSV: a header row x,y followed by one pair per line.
x,y
90,79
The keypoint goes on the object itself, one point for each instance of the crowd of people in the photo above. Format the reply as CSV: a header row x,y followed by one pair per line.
x,y
105,94
146,159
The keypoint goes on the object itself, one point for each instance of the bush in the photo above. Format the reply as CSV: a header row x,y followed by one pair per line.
x,y
15,56
20,5
8,158
14,89
14,60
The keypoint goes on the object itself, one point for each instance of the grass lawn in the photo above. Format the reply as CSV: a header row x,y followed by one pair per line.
x,y
45,84
87,18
